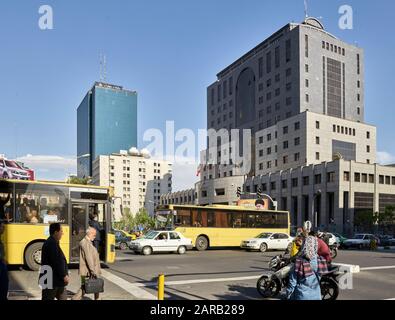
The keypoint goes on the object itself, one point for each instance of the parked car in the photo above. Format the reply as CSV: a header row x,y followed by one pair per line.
x,y
386,240
122,239
340,237
10,170
267,241
332,239
161,241
361,240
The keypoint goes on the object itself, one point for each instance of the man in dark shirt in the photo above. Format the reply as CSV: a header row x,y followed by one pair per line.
x,y
53,258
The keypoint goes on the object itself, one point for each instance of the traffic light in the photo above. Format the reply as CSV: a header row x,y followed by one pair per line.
x,y
238,192
259,193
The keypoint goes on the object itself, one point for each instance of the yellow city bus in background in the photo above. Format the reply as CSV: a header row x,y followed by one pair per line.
x,y
220,225
29,207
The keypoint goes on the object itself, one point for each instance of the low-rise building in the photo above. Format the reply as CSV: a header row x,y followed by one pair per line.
x,y
137,179
180,197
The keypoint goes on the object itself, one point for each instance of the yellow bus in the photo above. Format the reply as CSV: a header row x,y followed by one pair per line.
x,y
220,225
29,207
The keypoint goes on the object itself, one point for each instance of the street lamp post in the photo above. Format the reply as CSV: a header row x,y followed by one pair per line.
x,y
313,212
271,199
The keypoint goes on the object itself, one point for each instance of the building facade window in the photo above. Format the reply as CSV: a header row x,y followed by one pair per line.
x,y
346,176
288,50
277,57
269,62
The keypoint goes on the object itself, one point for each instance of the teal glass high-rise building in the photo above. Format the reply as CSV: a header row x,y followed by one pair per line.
x,y
106,123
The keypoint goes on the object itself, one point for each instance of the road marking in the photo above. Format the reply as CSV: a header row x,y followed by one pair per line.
x,y
351,268
128,287
377,268
181,282
390,299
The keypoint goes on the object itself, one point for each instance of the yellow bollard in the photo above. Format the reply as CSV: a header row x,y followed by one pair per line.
x,y
161,287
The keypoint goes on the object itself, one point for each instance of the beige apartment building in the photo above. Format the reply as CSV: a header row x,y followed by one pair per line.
x,y
138,180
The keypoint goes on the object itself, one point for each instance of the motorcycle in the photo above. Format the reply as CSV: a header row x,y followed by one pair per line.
x,y
334,249
271,284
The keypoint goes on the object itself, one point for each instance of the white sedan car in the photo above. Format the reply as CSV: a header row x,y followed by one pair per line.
x,y
161,241
267,241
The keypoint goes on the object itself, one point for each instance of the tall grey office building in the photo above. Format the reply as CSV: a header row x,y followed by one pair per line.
x,y
300,71
301,92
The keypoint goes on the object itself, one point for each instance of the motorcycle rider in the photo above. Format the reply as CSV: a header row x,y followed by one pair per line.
x,y
294,247
323,248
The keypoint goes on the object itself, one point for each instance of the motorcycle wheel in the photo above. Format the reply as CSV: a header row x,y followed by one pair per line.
x,y
268,288
329,289
333,253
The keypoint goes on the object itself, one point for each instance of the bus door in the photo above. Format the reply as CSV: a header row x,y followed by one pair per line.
x,y
79,224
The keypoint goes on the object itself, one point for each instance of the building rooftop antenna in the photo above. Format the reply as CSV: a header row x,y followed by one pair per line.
x,y
306,15
103,68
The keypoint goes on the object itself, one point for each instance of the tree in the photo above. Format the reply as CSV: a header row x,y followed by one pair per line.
x,y
386,219
143,219
126,221
365,219
131,221
76,180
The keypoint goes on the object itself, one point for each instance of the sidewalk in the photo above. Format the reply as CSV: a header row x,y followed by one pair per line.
x,y
24,286
389,249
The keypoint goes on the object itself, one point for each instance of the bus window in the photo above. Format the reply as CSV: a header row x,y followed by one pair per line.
x,y
38,204
183,218
6,203
222,219
210,219
251,222
273,220
197,218
239,220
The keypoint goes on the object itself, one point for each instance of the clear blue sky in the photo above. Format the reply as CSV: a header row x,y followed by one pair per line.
x,y
169,51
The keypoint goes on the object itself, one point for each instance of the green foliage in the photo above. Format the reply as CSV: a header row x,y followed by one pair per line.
x,y
368,219
131,221
388,216
365,218
76,180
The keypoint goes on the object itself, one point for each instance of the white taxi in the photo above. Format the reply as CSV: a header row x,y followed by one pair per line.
x,y
267,241
161,241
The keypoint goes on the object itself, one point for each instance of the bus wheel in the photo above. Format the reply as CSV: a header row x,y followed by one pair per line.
x,y
33,256
263,247
123,246
201,243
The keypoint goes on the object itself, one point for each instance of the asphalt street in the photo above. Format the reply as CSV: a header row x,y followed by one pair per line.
x,y
223,274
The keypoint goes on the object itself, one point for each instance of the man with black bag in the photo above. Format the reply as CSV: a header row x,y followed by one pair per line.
x,y
89,267
54,272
